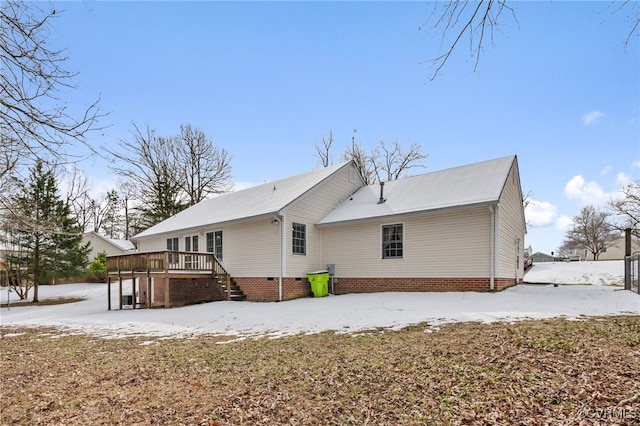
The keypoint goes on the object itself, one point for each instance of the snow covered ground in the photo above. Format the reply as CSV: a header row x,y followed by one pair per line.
x,y
606,272
593,295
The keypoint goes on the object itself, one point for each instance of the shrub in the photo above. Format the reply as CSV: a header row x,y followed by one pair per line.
x,y
98,267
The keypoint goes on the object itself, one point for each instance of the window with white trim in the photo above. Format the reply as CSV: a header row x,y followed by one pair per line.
x,y
172,245
214,243
392,239
299,238
191,243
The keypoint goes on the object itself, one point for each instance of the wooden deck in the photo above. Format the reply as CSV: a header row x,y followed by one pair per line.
x,y
167,266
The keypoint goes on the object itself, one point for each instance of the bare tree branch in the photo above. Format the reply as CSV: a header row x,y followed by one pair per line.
x,y
476,18
323,152
34,120
628,208
591,230
206,168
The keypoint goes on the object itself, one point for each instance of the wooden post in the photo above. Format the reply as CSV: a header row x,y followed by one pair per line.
x,y
228,286
167,303
133,293
148,294
627,259
120,292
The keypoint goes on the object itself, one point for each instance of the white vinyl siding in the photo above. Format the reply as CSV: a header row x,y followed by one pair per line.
x,y
511,228
439,245
252,247
309,209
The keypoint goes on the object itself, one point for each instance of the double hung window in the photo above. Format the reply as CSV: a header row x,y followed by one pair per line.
x,y
392,241
172,245
299,238
214,243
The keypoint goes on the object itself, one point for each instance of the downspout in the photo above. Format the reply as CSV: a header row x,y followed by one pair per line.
x,y
280,219
492,250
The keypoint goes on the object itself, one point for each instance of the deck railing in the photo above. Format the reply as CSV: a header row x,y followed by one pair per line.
x,y
171,264
164,261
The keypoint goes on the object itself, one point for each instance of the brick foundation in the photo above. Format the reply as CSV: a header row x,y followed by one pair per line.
x,y
263,289
374,285
182,291
266,290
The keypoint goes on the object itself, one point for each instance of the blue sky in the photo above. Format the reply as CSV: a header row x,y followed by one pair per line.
x,y
268,80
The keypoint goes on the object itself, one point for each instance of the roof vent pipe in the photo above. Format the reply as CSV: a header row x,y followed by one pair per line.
x,y
382,200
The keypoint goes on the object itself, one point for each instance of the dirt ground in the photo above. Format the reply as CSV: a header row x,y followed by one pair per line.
x,y
528,373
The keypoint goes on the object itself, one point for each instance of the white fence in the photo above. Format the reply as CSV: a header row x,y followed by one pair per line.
x,y
632,273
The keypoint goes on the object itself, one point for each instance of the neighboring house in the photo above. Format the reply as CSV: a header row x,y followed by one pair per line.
x,y
457,229
615,249
100,243
539,257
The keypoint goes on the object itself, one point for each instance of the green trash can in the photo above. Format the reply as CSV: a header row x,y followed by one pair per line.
x,y
319,281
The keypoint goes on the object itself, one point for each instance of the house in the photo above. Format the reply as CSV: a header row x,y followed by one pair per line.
x,y
539,257
615,250
100,243
456,229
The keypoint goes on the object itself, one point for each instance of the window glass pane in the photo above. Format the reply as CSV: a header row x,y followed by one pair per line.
x,y
218,244
172,245
298,238
187,243
392,241
194,242
209,242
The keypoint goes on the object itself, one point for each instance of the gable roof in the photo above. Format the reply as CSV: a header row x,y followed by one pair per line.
x,y
464,186
124,245
265,199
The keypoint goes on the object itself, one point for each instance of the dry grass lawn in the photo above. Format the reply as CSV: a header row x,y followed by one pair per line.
x,y
528,373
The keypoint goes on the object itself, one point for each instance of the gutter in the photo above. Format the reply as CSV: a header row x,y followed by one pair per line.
x,y
280,219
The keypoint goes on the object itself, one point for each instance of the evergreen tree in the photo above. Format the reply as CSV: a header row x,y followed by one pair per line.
x,y
48,236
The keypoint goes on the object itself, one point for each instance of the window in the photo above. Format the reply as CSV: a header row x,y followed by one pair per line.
x,y
214,243
172,245
191,245
392,241
299,238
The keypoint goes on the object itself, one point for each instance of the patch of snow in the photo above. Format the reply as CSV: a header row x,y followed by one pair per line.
x,y
605,272
350,313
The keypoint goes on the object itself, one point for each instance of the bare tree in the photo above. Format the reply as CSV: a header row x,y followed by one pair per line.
x,y
130,215
169,174
385,162
206,168
473,22
628,208
78,198
591,230
392,162
111,215
323,152
362,161
147,162
34,121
